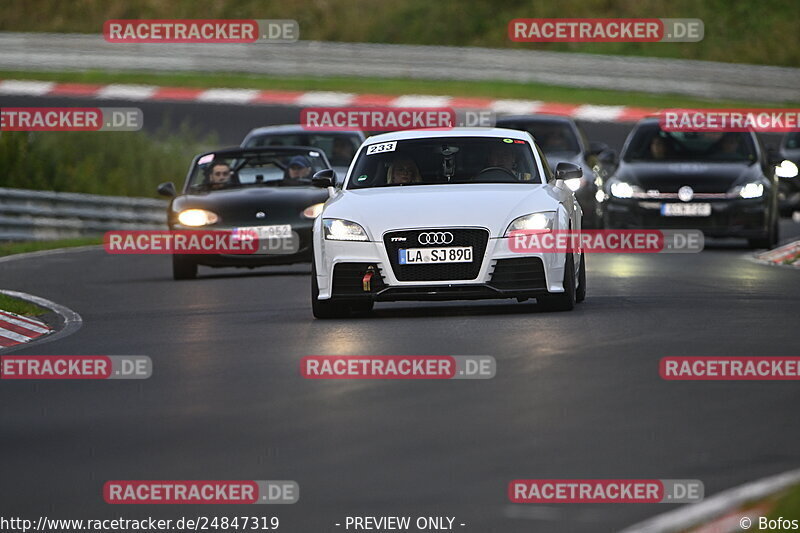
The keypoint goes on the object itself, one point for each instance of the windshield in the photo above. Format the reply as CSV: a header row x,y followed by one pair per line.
x,y
339,147
552,137
650,143
444,161
248,169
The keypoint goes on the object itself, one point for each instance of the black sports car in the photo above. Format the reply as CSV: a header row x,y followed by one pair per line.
x,y
263,191
562,139
789,180
720,183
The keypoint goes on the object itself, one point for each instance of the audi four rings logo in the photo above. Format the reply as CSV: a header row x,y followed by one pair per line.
x,y
435,237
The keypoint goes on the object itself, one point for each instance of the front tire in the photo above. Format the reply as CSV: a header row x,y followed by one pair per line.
x,y
183,268
580,293
563,301
324,309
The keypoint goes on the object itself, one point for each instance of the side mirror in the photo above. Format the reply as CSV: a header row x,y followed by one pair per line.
x,y
324,178
596,148
567,171
167,189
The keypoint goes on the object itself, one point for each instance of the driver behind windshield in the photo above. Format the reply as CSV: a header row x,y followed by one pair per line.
x,y
299,169
219,175
403,170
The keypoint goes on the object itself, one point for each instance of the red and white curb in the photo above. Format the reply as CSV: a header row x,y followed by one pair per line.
x,y
781,254
144,93
733,510
16,329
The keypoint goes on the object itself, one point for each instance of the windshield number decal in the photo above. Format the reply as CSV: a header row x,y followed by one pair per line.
x,y
381,148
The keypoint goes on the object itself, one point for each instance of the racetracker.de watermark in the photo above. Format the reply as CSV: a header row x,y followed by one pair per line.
x,y
199,31
398,367
730,120
730,368
71,119
606,490
75,367
201,492
392,118
608,30
181,242
606,241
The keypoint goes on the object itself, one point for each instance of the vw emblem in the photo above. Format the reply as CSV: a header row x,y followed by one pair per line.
x,y
685,193
260,214
435,237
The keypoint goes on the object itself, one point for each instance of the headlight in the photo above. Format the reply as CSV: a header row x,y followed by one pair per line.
x,y
621,189
343,230
751,190
534,221
197,217
786,169
573,183
313,211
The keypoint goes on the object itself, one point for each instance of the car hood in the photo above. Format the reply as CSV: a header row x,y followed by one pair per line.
x,y
491,206
702,177
280,205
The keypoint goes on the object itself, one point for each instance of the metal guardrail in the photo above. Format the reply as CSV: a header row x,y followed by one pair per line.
x,y
27,215
704,79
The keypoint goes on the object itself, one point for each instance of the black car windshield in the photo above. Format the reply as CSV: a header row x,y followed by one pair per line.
x,y
650,143
552,137
339,147
444,161
231,170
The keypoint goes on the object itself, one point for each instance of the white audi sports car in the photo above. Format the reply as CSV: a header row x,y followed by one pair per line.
x,y
428,214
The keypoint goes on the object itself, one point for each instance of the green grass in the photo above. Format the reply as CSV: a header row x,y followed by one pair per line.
x,y
118,163
738,31
20,307
788,505
11,248
487,89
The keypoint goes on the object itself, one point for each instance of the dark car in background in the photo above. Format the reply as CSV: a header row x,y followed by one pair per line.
x,y
266,192
787,171
721,183
562,139
339,146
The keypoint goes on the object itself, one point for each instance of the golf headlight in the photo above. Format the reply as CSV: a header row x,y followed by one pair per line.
x,y
750,190
313,211
786,169
197,217
343,230
573,183
622,189
534,221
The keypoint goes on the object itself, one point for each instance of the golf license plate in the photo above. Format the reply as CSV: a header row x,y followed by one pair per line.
x,y
686,210
424,256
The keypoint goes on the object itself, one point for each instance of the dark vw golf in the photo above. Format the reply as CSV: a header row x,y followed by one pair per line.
x,y
262,192
721,183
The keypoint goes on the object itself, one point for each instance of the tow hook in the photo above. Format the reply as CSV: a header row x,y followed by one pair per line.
x,y
366,281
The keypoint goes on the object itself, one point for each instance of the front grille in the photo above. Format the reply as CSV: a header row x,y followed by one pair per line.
x,y
523,273
348,280
477,238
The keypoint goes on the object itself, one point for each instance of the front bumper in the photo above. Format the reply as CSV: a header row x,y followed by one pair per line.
x,y
299,252
746,218
502,274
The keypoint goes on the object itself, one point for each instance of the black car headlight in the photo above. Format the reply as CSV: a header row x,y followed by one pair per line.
x,y
197,217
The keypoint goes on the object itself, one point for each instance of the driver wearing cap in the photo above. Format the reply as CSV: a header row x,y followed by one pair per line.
x,y
299,169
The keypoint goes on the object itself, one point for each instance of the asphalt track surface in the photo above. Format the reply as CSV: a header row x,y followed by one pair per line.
x,y
577,395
